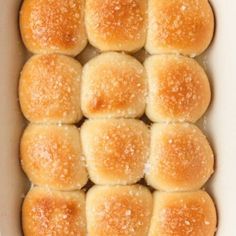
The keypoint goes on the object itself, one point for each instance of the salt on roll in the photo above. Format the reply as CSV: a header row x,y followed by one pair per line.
x,y
49,212
118,210
116,150
183,214
116,25
179,26
49,89
181,158
51,156
53,26
113,85
179,89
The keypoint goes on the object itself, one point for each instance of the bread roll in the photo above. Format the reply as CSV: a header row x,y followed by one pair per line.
x,y
116,150
179,89
46,212
116,25
49,89
181,158
51,156
113,85
183,214
179,26
53,26
118,211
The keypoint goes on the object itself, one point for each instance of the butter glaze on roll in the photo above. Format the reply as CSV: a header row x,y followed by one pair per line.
x,y
181,158
179,26
49,89
46,212
116,150
118,210
179,89
113,85
53,26
183,214
116,25
51,156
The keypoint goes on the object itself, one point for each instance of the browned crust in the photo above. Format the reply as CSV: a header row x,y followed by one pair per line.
x,y
184,214
181,158
118,210
49,89
47,212
116,24
179,26
179,89
53,26
51,156
111,91
116,150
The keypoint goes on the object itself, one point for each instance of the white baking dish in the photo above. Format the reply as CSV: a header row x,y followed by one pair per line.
x,y
218,124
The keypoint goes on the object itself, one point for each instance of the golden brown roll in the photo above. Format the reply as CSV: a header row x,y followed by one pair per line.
x,y
179,26
113,85
118,211
53,26
116,25
183,214
46,212
180,158
51,156
116,150
179,89
49,89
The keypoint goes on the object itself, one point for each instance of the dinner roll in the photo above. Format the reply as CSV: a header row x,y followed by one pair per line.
x,y
51,156
118,25
179,26
183,214
118,210
180,158
46,212
53,26
113,85
49,89
116,150
179,89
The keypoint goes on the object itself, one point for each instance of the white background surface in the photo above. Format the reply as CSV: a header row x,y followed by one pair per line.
x,y
220,120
